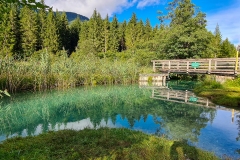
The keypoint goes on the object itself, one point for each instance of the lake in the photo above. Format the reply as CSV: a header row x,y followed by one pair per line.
x,y
149,109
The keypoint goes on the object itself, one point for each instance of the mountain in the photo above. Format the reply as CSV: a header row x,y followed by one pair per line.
x,y
71,16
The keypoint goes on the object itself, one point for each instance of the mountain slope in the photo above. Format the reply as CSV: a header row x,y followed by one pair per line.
x,y
71,16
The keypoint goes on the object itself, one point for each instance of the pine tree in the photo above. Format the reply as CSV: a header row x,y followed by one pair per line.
x,y
42,16
148,31
156,29
63,30
217,41
106,28
95,32
122,36
74,28
9,34
50,38
131,32
114,34
15,23
227,49
140,33
29,31
84,44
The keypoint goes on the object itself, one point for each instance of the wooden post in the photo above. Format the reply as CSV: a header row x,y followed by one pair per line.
x,y
154,68
164,80
169,65
187,66
186,95
168,95
236,64
209,66
215,64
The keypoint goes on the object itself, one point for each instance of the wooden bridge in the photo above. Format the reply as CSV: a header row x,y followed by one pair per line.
x,y
220,66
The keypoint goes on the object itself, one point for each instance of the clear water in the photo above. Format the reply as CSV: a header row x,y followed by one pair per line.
x,y
212,128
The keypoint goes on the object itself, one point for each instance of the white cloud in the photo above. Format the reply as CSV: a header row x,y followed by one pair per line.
x,y
228,21
145,3
104,7
86,7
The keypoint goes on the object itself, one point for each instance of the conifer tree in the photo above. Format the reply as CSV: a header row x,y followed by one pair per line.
x,y
106,28
122,36
10,33
114,34
131,32
42,16
95,32
29,31
74,31
63,30
148,31
83,35
227,49
84,44
217,41
50,38
156,28
140,33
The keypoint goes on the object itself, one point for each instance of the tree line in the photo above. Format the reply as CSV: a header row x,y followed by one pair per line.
x,y
26,31
40,49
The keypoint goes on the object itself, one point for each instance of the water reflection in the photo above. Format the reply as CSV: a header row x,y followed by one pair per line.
x,y
179,96
122,106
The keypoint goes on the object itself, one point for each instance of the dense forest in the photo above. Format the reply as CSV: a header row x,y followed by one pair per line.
x,y
40,48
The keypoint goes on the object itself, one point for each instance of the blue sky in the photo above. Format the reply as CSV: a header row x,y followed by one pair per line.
x,y
225,13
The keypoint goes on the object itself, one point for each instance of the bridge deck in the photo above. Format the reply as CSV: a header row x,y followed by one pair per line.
x,y
223,66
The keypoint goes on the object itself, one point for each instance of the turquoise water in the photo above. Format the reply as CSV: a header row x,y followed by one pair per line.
x,y
213,128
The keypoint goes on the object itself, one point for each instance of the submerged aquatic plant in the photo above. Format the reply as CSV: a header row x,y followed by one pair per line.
x,y
5,92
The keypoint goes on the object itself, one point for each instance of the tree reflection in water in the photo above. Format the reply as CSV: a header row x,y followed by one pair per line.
x,y
178,121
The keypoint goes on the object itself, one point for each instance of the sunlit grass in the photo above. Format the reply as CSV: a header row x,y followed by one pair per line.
x,y
227,94
103,143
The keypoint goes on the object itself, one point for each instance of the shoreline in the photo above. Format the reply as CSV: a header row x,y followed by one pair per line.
x,y
226,94
103,143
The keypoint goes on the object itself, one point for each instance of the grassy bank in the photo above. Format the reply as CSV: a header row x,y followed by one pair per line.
x,y
226,94
103,143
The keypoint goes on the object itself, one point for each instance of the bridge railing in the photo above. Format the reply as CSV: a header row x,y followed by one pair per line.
x,y
210,66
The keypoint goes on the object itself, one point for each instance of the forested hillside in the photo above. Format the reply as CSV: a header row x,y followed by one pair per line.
x,y
40,38
71,16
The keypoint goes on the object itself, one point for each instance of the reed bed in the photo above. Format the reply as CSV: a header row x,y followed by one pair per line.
x,y
51,71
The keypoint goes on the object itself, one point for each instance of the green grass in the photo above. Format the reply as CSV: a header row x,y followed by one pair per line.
x,y
226,94
103,143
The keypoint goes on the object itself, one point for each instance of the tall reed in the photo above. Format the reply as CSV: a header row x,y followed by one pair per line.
x,y
50,71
